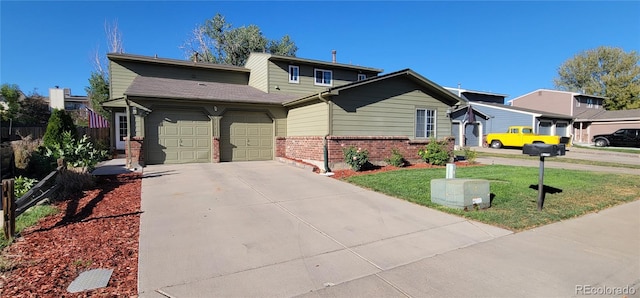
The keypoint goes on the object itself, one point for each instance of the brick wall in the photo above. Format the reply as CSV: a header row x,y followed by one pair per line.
x,y
137,151
379,147
215,149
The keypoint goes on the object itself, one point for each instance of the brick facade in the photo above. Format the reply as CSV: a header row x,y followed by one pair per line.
x,y
215,149
379,147
137,151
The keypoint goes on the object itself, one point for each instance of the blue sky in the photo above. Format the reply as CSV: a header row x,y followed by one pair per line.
x,y
507,47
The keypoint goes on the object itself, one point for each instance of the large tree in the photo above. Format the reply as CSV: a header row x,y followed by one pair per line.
x,y
34,110
605,71
217,41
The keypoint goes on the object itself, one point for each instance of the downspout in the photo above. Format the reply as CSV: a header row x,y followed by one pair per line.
x,y
325,142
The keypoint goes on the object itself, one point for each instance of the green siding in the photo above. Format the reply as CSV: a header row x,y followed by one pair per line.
x,y
258,79
309,120
279,76
385,109
121,78
123,73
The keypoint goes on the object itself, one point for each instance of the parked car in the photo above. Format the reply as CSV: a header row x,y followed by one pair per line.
x,y
518,136
626,137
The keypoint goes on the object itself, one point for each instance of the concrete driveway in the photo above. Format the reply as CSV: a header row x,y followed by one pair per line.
x,y
269,229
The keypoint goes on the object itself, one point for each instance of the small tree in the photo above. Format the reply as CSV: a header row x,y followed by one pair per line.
x,y
59,122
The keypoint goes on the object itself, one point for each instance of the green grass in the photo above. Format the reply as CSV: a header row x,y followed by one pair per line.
x,y
29,218
514,205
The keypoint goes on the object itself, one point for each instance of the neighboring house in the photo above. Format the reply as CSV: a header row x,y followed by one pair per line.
x,y
590,123
495,117
470,133
181,111
590,116
63,100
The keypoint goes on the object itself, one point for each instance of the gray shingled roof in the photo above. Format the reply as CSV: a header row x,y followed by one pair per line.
x,y
608,115
541,113
201,90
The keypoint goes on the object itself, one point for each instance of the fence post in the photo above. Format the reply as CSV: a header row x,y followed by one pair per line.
x,y
8,209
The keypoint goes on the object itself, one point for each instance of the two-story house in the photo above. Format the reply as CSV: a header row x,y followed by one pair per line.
x,y
588,113
179,111
62,99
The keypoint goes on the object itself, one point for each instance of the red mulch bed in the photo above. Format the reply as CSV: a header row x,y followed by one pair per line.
x,y
95,229
342,174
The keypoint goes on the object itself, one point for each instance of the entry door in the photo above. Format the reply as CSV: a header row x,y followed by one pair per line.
x,y
121,130
472,135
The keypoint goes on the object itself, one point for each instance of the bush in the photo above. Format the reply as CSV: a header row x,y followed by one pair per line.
x,y
355,158
59,122
72,181
396,159
22,185
23,153
77,154
470,155
436,153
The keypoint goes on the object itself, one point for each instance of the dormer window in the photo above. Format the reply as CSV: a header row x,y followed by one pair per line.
x,y
294,74
362,76
323,77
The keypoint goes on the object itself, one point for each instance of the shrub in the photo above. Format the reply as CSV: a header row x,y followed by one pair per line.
x,y
470,154
59,122
436,152
77,154
22,185
72,181
396,159
356,158
23,151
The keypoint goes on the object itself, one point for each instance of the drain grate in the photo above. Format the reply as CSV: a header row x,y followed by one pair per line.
x,y
89,280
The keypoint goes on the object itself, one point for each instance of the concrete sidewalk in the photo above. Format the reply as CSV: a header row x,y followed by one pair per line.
x,y
264,229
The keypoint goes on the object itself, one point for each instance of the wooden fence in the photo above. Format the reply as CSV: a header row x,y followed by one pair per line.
x,y
96,134
12,208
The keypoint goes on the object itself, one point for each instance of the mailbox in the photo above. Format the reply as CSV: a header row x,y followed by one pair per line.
x,y
543,150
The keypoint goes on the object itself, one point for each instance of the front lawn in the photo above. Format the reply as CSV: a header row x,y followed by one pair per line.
x,y
514,204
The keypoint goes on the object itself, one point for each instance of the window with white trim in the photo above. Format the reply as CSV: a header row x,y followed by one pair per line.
x,y
294,74
578,102
425,123
590,102
323,77
362,76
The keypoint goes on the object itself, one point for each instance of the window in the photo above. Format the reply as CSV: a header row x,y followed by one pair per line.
x,y
294,74
578,102
597,104
362,76
425,123
323,77
590,102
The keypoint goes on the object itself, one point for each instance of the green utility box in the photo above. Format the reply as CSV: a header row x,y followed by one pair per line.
x,y
461,193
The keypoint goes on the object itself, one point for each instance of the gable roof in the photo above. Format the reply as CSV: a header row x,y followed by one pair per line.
x,y
532,112
152,87
445,95
174,62
604,115
456,90
294,60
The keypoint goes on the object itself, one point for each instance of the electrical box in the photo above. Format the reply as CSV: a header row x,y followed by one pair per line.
x,y
545,150
461,193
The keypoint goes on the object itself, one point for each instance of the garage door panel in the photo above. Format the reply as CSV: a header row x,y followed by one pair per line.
x,y
182,136
246,136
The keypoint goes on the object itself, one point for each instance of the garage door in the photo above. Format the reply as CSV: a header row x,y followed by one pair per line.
x,y
246,136
178,136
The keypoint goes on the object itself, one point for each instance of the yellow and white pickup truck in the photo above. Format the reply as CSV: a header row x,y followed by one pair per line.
x,y
518,136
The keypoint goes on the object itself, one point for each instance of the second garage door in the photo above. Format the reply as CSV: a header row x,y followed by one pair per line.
x,y
246,136
178,136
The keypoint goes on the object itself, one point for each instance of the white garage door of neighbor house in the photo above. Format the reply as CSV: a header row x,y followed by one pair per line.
x,y
246,136
178,136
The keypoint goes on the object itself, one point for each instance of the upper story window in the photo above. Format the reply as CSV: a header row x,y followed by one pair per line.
x,y
425,123
294,74
362,76
590,102
323,77
578,102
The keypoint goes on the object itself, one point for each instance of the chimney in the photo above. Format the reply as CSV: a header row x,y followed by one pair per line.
x,y
333,55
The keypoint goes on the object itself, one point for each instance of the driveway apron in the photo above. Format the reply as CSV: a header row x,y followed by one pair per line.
x,y
270,229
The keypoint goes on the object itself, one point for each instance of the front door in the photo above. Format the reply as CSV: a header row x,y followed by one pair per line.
x,y
121,130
